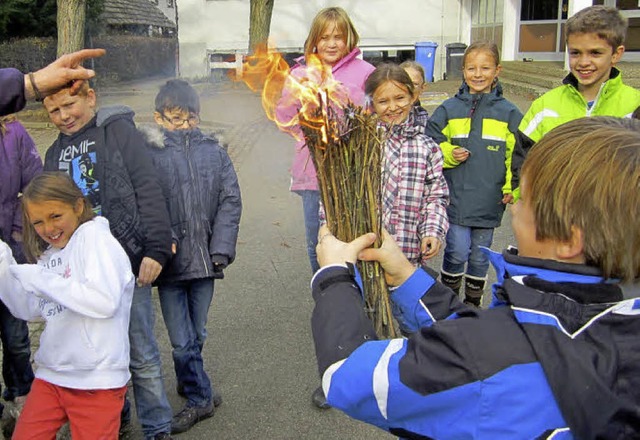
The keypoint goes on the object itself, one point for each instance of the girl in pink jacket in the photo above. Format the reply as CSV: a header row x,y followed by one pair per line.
x,y
333,40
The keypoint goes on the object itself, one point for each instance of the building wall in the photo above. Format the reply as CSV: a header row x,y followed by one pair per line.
x,y
167,7
223,25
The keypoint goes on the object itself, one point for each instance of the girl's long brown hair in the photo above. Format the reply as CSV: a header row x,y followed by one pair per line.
x,y
49,186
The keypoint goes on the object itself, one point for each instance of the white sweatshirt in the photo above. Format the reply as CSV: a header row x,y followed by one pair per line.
x,y
84,293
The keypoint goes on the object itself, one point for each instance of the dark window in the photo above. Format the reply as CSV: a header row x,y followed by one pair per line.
x,y
539,10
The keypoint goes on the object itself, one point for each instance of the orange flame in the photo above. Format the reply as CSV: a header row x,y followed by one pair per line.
x,y
313,89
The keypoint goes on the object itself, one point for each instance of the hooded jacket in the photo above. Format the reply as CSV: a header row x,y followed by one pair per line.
x,y
486,124
19,163
84,293
352,73
203,198
130,194
565,103
556,356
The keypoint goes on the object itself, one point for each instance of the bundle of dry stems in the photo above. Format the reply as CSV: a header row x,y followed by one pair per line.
x,y
347,149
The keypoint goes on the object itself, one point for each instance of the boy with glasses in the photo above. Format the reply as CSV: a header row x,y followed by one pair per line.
x,y
203,197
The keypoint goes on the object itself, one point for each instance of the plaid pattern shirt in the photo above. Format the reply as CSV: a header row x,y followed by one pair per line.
x,y
414,192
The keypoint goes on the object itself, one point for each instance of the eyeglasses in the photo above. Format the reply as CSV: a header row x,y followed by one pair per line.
x,y
176,121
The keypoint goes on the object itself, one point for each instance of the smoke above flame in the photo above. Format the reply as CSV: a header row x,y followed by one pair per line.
x,y
312,92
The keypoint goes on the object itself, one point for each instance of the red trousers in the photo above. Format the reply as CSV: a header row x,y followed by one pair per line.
x,y
92,414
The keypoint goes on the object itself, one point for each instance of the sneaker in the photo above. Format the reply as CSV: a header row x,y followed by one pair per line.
x,y
215,395
319,400
189,416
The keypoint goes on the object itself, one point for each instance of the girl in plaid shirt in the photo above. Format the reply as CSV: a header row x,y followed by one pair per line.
x,y
414,191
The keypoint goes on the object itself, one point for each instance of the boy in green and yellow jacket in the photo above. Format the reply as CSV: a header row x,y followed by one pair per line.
x,y
594,87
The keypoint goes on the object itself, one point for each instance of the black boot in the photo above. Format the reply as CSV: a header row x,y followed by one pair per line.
x,y
473,290
452,281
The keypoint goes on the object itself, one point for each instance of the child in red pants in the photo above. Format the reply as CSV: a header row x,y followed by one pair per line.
x,y
82,286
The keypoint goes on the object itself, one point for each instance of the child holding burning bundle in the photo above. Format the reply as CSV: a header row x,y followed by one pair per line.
x,y
556,356
414,191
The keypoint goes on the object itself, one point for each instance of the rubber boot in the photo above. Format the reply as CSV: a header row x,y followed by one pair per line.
x,y
452,281
473,290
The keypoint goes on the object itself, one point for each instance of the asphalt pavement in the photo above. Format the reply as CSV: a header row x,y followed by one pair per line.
x,y
259,350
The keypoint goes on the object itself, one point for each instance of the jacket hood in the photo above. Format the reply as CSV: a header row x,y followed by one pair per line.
x,y
158,137
107,114
407,129
152,134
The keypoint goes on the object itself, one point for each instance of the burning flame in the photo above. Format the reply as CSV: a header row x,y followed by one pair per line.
x,y
289,99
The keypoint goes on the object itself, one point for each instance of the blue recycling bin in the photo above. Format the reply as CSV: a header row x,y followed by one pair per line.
x,y
426,56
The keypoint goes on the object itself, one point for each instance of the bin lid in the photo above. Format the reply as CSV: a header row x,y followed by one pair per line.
x,y
456,45
427,44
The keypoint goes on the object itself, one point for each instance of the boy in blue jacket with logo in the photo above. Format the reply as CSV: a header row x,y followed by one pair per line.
x,y
556,355
203,197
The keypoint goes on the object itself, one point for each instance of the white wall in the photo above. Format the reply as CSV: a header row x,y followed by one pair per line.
x,y
224,25
170,12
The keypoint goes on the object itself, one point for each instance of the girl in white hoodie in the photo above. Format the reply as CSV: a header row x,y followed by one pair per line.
x,y
82,287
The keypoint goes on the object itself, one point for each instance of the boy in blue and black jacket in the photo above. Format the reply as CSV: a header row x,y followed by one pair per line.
x,y
203,197
558,353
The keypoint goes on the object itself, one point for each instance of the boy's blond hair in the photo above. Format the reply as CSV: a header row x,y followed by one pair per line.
x,y
335,15
605,21
586,174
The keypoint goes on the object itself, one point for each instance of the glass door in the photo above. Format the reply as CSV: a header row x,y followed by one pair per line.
x,y
541,29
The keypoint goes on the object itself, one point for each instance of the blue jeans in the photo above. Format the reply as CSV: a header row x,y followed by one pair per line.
x,y
16,354
310,207
462,248
152,406
185,306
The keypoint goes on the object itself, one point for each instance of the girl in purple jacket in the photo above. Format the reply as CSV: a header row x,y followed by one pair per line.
x,y
19,163
333,40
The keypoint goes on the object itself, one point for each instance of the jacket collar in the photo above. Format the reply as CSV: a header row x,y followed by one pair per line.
x,y
580,283
571,80
464,93
405,130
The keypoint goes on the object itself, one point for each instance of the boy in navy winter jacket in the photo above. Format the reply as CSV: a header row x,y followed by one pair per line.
x,y
556,355
203,197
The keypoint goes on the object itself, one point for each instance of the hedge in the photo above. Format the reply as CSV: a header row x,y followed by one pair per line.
x,y
128,57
